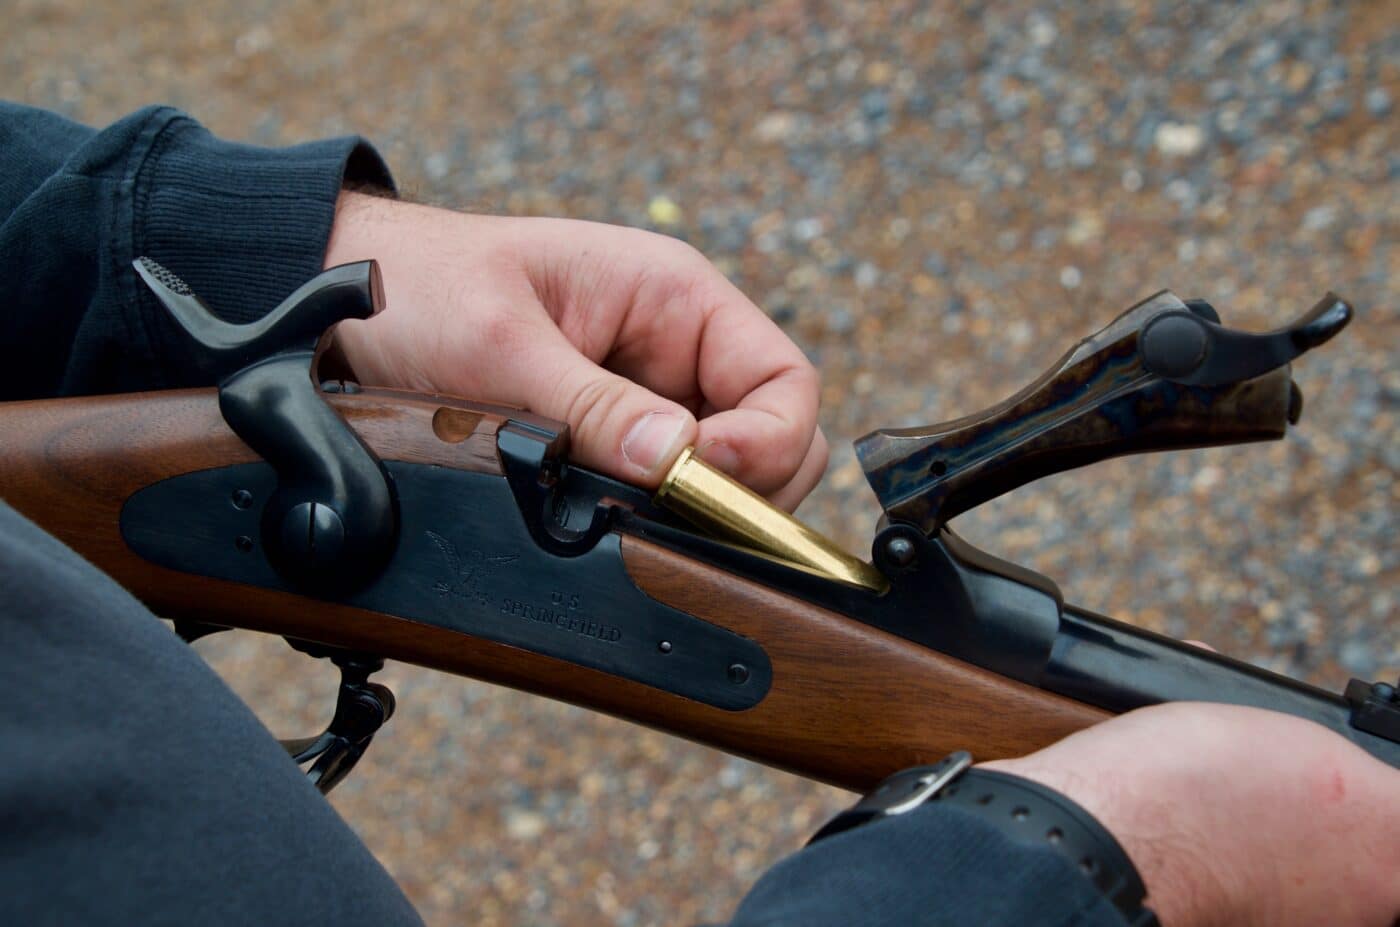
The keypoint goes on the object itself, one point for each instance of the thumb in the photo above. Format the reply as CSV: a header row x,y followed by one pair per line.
x,y
616,426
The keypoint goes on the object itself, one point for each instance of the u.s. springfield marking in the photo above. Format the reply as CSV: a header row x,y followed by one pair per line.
x,y
470,581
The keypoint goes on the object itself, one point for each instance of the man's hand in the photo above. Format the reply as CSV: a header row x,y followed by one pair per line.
x,y
632,338
1238,816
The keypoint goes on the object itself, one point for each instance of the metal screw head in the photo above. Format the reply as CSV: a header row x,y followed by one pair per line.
x,y
1174,345
1383,692
242,498
243,543
900,551
664,647
738,673
313,534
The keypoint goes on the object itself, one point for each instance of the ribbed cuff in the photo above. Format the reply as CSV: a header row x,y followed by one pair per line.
x,y
244,226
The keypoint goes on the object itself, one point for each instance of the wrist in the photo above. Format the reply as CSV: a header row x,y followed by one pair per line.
x,y
1181,888
366,227
1028,814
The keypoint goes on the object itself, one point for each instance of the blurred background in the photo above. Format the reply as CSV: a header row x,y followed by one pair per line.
x,y
935,200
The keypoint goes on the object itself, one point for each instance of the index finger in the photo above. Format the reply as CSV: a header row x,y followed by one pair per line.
x,y
764,390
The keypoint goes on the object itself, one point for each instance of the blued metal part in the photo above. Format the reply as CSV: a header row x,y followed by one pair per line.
x,y
533,457
323,469
350,291
1120,667
361,709
731,511
1225,355
466,561
1117,392
332,522
1375,707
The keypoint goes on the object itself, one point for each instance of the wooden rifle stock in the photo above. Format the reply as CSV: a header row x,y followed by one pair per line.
x,y
849,703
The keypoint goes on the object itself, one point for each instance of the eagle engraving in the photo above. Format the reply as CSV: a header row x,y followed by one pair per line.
x,y
469,574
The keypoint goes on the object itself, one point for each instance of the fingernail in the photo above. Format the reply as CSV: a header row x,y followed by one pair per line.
x,y
654,441
721,456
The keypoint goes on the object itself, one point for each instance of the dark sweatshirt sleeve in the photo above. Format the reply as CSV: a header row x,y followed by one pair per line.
x,y
242,225
937,866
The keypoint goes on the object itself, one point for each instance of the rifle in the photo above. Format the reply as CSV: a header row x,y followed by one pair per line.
x,y
369,524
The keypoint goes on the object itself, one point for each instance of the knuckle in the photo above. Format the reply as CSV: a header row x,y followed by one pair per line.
x,y
674,249
502,332
591,403
808,379
684,251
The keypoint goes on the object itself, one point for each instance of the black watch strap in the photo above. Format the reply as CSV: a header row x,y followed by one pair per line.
x,y
1027,812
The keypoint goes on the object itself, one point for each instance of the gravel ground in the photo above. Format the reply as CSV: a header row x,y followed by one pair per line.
x,y
935,202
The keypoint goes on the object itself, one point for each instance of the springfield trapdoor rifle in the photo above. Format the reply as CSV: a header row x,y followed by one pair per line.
x,y
365,524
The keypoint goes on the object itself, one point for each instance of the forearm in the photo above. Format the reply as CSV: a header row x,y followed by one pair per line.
x,y
242,225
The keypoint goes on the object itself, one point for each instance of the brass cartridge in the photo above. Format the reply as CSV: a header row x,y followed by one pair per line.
x,y
733,512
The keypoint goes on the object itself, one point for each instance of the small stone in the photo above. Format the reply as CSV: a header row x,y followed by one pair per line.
x,y
734,773
1179,139
878,73
1332,76
1300,74
1337,108
1179,190
663,211
1218,91
844,477
1042,31
807,229
255,40
1227,120
1319,218
935,264
867,275
1132,180
522,824
1082,155
840,321
1265,55
1070,277
875,105
1357,658
775,127
437,165
1085,227
1378,101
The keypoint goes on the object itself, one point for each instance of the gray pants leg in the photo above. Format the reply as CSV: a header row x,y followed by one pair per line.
x,y
135,787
